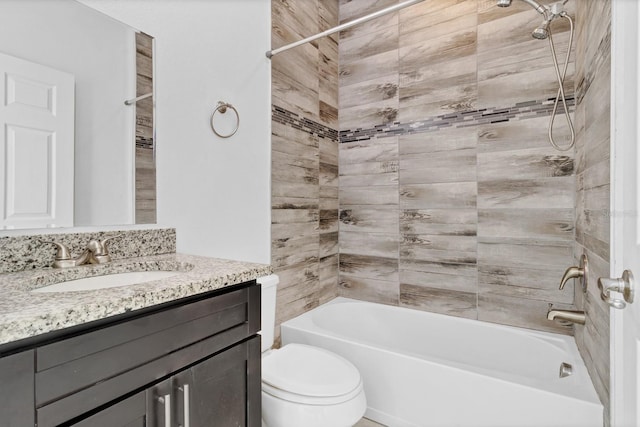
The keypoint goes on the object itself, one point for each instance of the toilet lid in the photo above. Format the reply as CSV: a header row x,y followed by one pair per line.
x,y
309,371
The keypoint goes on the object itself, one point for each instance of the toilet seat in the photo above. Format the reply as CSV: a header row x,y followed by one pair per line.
x,y
309,375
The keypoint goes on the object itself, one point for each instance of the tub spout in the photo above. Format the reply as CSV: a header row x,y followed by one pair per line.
x,y
572,316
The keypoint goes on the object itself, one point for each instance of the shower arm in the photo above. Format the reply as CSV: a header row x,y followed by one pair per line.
x,y
271,53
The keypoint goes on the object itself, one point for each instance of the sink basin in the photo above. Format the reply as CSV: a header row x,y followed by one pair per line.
x,y
107,281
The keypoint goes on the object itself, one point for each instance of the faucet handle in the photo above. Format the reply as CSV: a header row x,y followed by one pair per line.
x,y
63,257
581,272
99,250
62,252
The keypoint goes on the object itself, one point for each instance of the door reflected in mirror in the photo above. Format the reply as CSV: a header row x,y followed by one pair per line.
x,y
98,167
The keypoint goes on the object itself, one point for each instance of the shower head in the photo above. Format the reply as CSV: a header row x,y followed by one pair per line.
x,y
504,3
542,32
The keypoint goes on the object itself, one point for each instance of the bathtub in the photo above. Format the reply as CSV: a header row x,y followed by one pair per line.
x,y
424,369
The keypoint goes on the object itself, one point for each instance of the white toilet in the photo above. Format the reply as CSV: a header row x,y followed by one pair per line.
x,y
305,386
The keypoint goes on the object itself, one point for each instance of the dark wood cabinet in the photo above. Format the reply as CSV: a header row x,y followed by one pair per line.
x,y
194,363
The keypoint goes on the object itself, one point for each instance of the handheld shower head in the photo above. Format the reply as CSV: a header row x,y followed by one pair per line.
x,y
504,3
542,32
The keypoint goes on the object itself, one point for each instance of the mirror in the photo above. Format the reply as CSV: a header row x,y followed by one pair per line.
x,y
74,145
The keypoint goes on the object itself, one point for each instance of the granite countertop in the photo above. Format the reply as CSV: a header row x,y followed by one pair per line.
x,y
24,314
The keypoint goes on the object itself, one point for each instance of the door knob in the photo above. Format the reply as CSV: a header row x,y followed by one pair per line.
x,y
625,285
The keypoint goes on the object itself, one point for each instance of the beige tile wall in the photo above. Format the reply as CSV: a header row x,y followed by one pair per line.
x,y
304,162
473,221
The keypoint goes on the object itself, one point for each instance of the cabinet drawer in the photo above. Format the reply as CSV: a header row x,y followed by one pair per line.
x,y
78,374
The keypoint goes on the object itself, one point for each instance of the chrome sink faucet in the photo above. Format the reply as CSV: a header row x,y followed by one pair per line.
x,y
95,253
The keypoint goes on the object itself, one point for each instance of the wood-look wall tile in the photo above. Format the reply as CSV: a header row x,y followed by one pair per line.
x,y
369,115
366,289
525,283
457,267
328,272
536,84
370,92
517,135
288,93
415,245
289,169
301,17
434,89
439,222
444,140
369,68
390,20
507,58
439,196
535,224
369,244
369,44
524,164
457,44
379,150
350,10
328,244
451,282
553,192
529,255
376,179
452,303
372,220
328,220
434,13
438,167
438,256
369,267
294,250
520,312
294,142
285,202
291,216
328,13
362,196
328,175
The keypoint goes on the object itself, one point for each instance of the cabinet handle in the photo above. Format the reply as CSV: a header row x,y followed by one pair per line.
x,y
185,395
166,402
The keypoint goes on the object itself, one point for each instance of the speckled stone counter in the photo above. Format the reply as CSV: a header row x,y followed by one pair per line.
x,y
24,314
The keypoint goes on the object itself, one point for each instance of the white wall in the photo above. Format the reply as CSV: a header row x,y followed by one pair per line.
x,y
215,192
100,52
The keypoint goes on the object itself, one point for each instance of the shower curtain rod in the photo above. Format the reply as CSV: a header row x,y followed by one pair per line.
x,y
344,26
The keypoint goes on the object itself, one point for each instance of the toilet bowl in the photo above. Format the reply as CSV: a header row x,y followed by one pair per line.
x,y
304,385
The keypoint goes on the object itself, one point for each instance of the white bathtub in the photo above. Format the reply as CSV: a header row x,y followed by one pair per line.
x,y
424,369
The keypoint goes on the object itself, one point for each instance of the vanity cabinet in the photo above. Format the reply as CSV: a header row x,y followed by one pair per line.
x,y
190,363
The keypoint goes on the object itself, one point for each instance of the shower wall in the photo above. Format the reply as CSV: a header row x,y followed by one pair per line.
x,y
593,80
304,150
451,199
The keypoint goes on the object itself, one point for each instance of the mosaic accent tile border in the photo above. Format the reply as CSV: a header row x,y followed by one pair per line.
x,y
461,119
286,117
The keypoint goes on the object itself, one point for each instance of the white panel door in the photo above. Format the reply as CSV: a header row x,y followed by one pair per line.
x,y
625,206
36,145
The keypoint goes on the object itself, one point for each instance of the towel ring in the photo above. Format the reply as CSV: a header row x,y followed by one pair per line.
x,y
222,107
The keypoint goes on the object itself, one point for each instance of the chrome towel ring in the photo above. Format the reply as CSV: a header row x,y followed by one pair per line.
x,y
222,108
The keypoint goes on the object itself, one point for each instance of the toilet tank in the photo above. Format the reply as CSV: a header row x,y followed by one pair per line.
x,y
269,285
